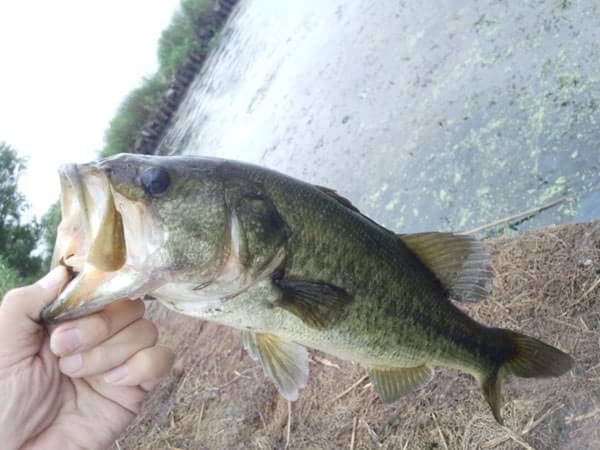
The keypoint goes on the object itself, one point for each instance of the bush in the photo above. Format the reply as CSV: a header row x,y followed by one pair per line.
x,y
200,14
9,278
187,30
18,240
174,44
131,116
183,33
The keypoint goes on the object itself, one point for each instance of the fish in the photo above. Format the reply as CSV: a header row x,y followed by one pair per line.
x,y
292,265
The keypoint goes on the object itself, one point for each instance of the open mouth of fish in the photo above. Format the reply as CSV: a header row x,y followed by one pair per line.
x,y
95,244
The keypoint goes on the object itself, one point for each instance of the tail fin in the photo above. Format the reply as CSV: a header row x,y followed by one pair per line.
x,y
530,358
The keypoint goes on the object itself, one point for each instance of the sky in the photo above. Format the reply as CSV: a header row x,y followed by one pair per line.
x,y
65,67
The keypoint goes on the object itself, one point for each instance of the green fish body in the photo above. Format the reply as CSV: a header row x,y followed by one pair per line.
x,y
294,265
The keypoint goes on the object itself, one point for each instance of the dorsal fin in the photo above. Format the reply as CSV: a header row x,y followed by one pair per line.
x,y
459,261
348,204
343,200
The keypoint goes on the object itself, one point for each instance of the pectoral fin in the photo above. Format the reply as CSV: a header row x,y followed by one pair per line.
x,y
317,304
285,363
393,383
459,261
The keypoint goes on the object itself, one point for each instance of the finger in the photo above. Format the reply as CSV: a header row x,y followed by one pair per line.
x,y
113,352
88,332
28,301
20,333
146,368
129,397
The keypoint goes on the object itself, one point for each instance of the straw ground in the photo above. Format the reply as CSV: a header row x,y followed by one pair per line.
x,y
547,285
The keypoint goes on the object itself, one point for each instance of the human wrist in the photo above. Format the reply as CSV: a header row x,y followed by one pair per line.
x,y
12,435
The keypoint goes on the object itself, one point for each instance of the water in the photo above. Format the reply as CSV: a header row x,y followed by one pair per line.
x,y
427,115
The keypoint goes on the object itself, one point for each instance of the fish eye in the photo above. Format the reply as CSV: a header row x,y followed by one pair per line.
x,y
155,181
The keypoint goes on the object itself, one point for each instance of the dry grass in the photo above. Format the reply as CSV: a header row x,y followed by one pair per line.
x,y
546,285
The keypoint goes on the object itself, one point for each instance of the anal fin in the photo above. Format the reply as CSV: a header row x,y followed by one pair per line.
x,y
284,363
492,391
393,383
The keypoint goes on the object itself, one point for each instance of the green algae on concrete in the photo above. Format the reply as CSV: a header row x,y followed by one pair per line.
x,y
427,115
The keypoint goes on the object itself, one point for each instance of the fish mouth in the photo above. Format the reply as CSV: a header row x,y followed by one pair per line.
x,y
91,243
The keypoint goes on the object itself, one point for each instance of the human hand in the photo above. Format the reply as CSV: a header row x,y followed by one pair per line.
x,y
81,386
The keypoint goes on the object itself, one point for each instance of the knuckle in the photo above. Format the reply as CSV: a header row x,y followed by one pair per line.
x,y
149,331
164,362
146,364
138,307
150,385
152,366
97,357
104,323
169,358
93,362
128,308
136,405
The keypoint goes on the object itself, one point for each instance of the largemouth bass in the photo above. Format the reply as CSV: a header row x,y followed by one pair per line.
x,y
290,264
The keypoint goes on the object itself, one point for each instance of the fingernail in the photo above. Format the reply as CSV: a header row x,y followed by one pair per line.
x,y
70,364
117,374
53,279
66,341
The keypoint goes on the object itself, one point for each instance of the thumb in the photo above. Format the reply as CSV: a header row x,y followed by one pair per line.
x,y
27,302
20,310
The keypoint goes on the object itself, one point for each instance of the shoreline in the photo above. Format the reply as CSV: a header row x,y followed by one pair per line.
x,y
183,49
154,128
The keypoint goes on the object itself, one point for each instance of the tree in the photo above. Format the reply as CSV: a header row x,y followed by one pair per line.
x,y
132,114
17,239
184,33
174,44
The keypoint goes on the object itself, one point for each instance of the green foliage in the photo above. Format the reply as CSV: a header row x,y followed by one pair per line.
x,y
17,240
200,14
17,251
11,201
133,113
183,33
174,44
9,278
49,224
196,9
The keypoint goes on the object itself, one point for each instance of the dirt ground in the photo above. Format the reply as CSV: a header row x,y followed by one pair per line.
x,y
547,285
